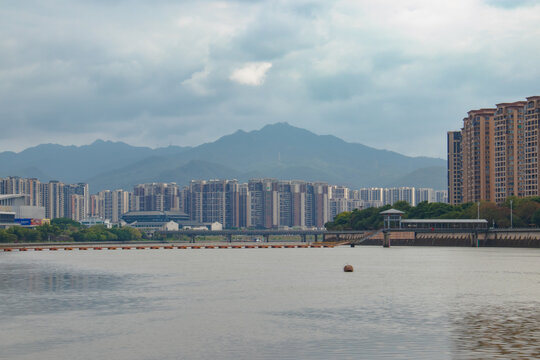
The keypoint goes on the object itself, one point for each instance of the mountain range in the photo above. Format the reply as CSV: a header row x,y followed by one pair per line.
x,y
277,151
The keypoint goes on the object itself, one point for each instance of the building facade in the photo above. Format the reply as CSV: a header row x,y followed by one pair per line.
x,y
455,168
495,155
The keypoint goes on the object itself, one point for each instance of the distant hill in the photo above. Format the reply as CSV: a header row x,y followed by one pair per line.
x,y
76,163
278,151
433,177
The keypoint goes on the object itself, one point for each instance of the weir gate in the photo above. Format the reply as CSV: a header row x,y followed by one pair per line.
x,y
395,237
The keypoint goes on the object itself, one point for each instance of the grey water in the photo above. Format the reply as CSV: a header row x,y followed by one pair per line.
x,y
399,303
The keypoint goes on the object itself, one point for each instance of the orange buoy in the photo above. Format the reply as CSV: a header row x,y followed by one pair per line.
x,y
168,247
68,248
126,247
23,249
223,247
38,249
348,268
53,249
7,249
83,248
181,247
140,248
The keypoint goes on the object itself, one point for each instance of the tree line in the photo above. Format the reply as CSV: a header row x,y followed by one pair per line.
x,y
525,213
63,229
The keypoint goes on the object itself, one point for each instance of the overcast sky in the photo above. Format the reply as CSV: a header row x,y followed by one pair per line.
x,y
391,74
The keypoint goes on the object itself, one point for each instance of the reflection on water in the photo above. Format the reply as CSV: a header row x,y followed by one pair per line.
x,y
48,290
499,332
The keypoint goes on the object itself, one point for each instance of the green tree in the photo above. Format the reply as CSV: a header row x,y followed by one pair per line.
x,y
535,218
65,223
6,237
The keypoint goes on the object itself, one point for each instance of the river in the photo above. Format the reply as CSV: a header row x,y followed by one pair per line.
x,y
399,303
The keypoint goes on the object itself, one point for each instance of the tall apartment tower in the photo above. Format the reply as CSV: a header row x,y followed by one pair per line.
x,y
94,207
455,179
264,203
477,160
298,203
112,204
156,197
17,185
531,144
52,198
498,150
244,206
320,205
215,201
509,156
76,208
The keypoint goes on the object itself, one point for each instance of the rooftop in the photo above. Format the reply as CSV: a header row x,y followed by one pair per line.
x,y
392,212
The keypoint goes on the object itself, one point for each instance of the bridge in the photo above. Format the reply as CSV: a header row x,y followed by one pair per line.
x,y
527,237
265,234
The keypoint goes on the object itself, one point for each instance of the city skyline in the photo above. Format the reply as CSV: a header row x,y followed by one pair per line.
x,y
260,203
185,73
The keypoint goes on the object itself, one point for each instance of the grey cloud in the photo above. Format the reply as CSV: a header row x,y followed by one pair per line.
x,y
340,86
92,67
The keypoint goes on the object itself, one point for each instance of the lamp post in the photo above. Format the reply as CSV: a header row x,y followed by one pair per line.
x,y
478,212
511,219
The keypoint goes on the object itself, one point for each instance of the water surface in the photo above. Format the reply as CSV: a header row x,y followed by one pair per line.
x,y
399,303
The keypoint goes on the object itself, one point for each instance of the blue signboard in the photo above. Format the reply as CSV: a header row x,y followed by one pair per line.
x,y
23,222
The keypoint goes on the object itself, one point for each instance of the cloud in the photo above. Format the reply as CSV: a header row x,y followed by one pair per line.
x,y
197,82
252,74
387,73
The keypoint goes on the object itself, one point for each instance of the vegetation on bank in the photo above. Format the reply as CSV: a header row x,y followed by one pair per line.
x,y
63,229
525,213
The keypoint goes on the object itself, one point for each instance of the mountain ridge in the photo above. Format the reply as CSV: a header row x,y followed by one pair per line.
x,y
276,150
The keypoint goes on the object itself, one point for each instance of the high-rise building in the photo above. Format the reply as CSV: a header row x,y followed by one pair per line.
x,y
215,201
95,207
52,198
17,185
77,210
77,207
495,155
113,204
509,157
278,203
531,144
156,197
477,159
244,206
455,168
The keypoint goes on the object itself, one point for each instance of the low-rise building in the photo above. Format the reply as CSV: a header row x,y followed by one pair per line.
x,y
149,227
7,219
92,221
